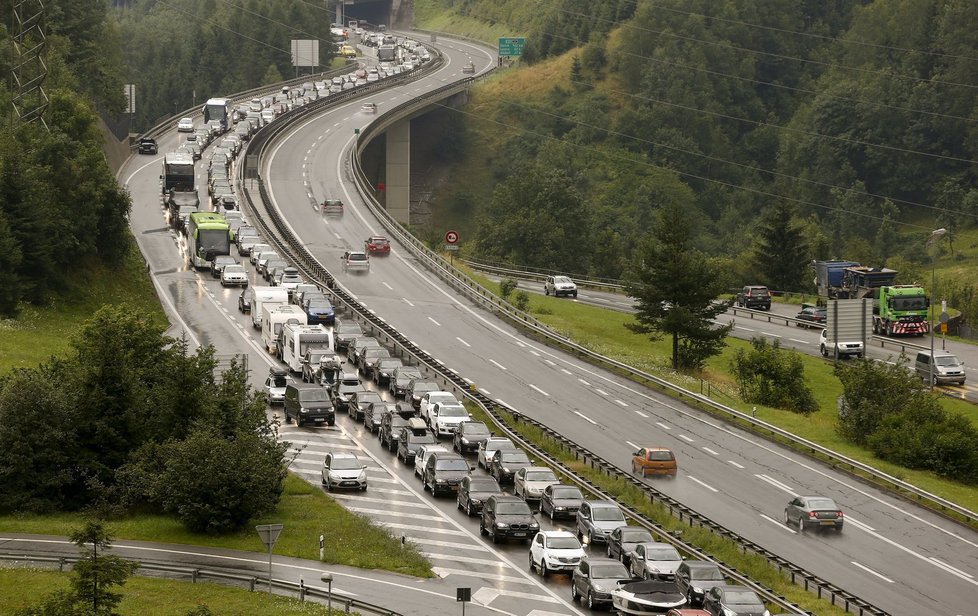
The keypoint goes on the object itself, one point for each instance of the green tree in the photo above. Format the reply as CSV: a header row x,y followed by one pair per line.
x,y
780,252
676,287
768,375
95,575
272,75
873,391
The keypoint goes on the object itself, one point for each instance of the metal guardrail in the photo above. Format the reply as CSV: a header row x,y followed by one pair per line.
x,y
300,590
533,273
380,328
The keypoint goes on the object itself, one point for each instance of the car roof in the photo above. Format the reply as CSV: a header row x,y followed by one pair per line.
x,y
603,503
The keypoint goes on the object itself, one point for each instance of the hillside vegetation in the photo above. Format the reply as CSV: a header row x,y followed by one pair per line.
x,y
855,117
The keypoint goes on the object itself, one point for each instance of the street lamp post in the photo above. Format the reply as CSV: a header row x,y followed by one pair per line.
x,y
935,237
328,578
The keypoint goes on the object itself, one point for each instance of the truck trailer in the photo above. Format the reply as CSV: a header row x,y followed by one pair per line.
x,y
898,310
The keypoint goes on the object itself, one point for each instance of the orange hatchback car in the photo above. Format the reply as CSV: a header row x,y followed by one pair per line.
x,y
654,461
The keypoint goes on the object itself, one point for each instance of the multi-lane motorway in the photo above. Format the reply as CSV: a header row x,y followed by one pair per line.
x,y
897,556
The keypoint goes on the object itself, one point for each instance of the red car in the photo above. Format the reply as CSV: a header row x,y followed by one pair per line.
x,y
377,244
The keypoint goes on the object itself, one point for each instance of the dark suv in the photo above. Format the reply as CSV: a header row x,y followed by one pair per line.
x,y
468,435
694,578
505,516
443,472
754,296
413,436
148,145
308,404
504,465
390,429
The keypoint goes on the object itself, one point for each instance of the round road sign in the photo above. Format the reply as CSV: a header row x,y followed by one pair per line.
x,y
451,237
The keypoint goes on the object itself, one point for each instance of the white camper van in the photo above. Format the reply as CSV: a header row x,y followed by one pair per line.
x,y
274,317
295,340
265,296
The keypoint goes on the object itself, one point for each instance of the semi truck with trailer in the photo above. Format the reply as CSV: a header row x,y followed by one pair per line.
x,y
898,310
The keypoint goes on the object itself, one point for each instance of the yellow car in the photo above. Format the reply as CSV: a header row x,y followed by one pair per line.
x,y
348,52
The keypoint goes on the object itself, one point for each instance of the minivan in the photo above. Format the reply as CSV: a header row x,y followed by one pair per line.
x,y
945,367
308,404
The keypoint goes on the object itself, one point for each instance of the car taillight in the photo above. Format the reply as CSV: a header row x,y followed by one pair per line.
x,y
838,514
812,514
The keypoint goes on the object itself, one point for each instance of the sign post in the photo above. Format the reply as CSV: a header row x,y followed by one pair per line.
x,y
944,318
268,534
511,46
322,546
463,595
451,245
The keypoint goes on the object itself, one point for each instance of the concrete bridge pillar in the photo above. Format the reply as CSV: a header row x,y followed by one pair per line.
x,y
398,174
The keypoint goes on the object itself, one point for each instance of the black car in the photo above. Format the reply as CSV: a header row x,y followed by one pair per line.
x,y
733,601
595,579
624,539
561,501
367,358
410,440
384,370
401,378
374,413
505,516
817,512
359,401
244,302
390,429
308,404
418,388
344,333
148,146
218,263
815,315
468,435
504,465
344,391
754,296
473,492
443,472
694,578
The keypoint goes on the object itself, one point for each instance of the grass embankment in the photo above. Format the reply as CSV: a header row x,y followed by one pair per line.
x,y
305,510
604,332
152,597
428,15
40,332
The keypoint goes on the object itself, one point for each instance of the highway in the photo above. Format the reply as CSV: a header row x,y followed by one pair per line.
x,y
901,558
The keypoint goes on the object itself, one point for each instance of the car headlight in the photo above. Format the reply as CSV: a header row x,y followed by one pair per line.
x,y
334,477
362,476
561,508
506,470
303,411
728,612
697,590
501,525
534,525
465,441
441,481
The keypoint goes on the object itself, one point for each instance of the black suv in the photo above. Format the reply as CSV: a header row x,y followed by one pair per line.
x,y
694,578
504,465
374,412
390,429
595,579
754,296
474,490
443,472
359,400
308,404
468,435
413,436
505,516
148,146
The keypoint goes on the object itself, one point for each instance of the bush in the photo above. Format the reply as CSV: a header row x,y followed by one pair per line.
x,y
767,375
522,300
506,287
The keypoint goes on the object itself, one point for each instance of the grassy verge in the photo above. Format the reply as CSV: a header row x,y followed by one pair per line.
x,y
142,596
603,331
40,332
305,510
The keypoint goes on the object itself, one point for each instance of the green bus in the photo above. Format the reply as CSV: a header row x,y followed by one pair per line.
x,y
208,235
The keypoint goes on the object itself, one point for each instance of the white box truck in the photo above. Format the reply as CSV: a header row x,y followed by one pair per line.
x,y
274,317
265,296
297,339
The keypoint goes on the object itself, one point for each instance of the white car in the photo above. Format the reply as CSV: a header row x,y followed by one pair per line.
x,y
344,470
185,125
446,417
369,108
555,550
421,458
355,261
432,397
842,348
559,285
490,446
278,379
234,275
530,482
654,561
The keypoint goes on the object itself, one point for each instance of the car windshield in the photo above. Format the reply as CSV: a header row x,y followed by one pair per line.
x,y
452,465
379,241
499,444
444,398
365,398
541,476
563,543
706,573
515,456
345,464
568,492
604,572
421,439
452,411
279,381
320,305
822,503
474,428
314,394
660,456
947,360
356,256
607,514
234,268
663,553
514,508
483,484
636,535
315,358
740,597
349,329
409,374
562,280
390,363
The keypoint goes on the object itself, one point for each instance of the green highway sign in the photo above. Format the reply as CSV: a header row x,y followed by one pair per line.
x,y
511,46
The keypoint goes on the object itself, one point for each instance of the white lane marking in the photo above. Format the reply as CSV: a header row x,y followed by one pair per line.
x,y
434,321
685,438
778,524
949,568
708,450
444,572
771,335
632,445
859,524
777,484
585,417
520,344
663,426
868,570
497,364
798,341
566,371
641,414
408,302
421,528
367,499
620,403
460,559
732,463
532,352
532,386
396,514
390,288
486,595
485,392
602,392
338,236
705,485
549,362
462,341
746,329
585,383
477,547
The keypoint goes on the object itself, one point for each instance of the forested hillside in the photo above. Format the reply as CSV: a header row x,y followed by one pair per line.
x,y
182,52
847,124
60,206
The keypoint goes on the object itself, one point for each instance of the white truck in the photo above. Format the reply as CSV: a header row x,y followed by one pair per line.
x,y
261,297
274,318
296,339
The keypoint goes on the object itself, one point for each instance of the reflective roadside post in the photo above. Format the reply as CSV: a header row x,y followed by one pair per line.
x,y
268,534
935,237
328,578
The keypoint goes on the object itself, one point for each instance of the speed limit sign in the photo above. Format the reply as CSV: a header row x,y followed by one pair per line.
x,y
451,237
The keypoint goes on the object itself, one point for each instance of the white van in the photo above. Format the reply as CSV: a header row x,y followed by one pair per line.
x,y
943,366
262,297
274,317
296,339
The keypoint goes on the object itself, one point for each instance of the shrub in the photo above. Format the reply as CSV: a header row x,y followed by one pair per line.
x,y
522,300
506,287
767,375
